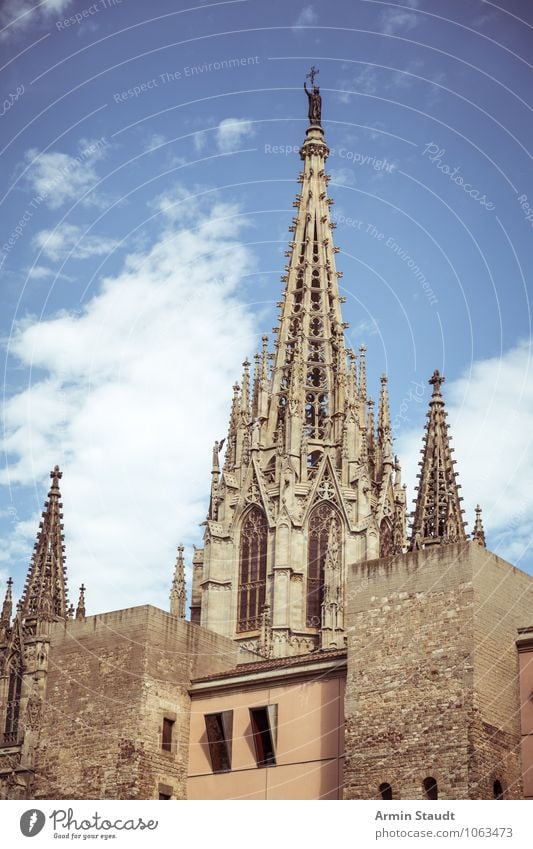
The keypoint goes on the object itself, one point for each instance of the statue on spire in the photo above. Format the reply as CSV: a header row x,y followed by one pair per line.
x,y
315,100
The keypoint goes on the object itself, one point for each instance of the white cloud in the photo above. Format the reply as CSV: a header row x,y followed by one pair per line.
x,y
18,15
307,17
490,412
41,272
68,240
59,177
232,132
343,176
200,141
393,21
133,393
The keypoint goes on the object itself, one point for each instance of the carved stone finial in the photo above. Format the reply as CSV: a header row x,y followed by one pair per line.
x,y
177,592
436,380
7,607
80,610
478,534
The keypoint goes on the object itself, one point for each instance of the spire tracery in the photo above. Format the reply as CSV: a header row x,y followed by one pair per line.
x,y
438,515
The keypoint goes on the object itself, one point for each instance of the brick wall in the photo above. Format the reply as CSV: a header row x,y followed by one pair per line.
x,y
430,645
112,678
503,603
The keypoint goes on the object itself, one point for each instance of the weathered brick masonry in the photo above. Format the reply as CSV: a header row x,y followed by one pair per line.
x,y
432,682
112,678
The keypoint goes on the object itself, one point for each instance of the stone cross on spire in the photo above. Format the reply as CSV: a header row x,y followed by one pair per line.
x,y
438,514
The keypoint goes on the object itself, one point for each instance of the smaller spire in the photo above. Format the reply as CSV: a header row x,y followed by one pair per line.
x,y
264,358
45,590
384,424
437,518
384,408
370,431
229,462
478,533
352,381
7,607
362,373
80,610
245,391
177,592
256,385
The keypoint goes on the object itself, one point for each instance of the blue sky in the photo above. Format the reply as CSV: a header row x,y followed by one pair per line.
x,y
149,162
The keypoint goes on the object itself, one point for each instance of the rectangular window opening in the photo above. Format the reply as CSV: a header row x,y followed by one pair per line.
x,y
168,729
264,731
219,729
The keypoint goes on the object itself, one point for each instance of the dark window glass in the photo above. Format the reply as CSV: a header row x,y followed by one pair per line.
x,y
431,788
168,727
219,727
164,796
263,736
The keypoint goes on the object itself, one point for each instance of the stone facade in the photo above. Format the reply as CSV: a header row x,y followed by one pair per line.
x,y
525,658
111,681
305,553
432,684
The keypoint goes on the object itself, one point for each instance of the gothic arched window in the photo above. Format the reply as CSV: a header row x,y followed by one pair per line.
x,y
318,534
386,542
13,702
253,570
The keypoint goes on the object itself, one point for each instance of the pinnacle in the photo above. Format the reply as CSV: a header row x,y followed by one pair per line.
x,y
45,591
438,515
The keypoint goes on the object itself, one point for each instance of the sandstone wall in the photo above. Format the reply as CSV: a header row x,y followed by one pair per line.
x,y
112,679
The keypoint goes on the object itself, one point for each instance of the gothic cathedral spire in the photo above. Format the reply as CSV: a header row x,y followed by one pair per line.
x,y
438,515
305,489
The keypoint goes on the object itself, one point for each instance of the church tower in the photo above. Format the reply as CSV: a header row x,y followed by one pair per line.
x,y
25,645
309,484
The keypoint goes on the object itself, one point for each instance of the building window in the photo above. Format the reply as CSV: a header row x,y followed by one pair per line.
x,y
497,790
11,727
431,788
168,730
253,569
264,724
318,535
164,791
164,796
385,790
219,729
